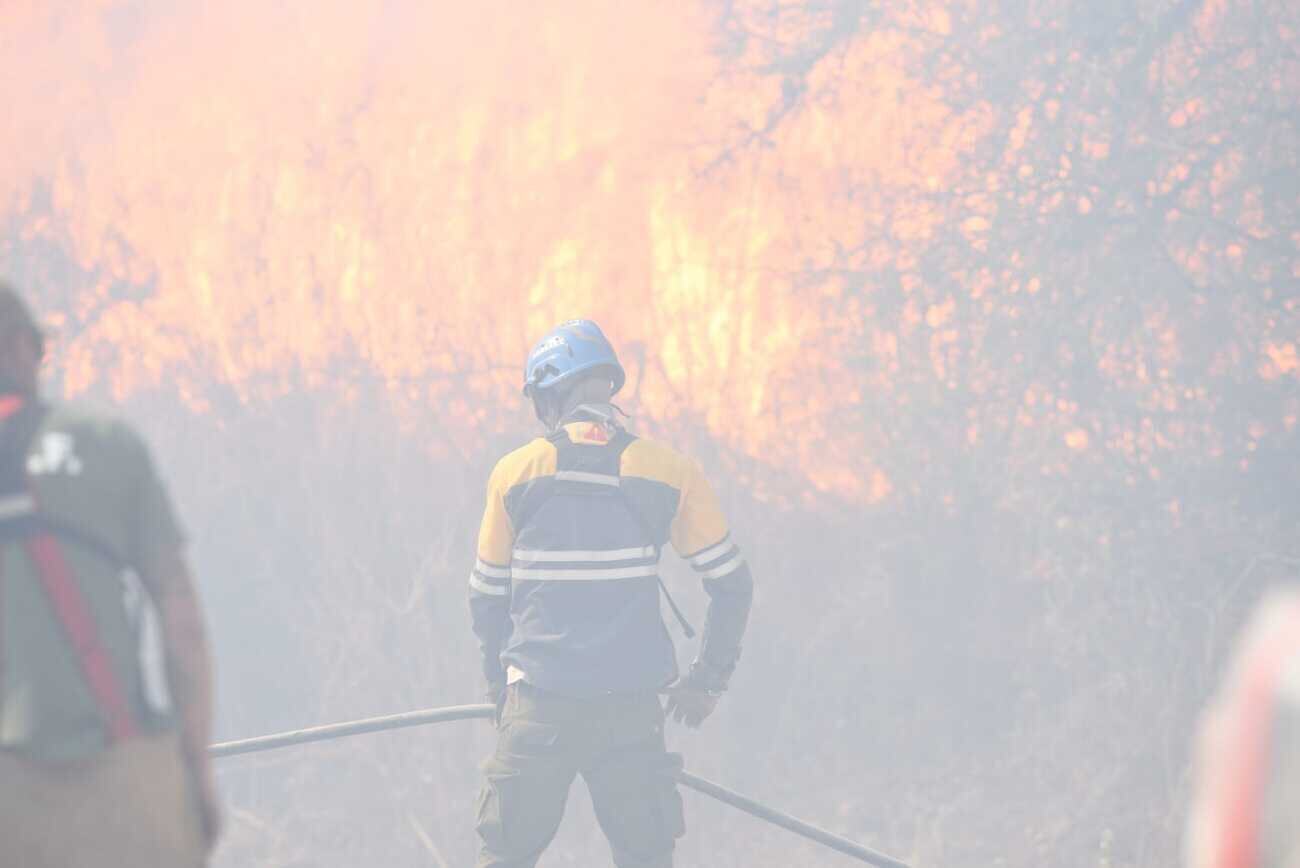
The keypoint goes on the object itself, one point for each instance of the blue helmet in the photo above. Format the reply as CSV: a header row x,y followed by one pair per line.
x,y
568,350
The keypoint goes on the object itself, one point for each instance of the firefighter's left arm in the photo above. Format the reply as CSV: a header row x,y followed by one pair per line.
x,y
489,583
701,534
189,673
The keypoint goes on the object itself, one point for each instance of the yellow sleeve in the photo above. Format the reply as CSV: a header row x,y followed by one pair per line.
x,y
496,537
699,523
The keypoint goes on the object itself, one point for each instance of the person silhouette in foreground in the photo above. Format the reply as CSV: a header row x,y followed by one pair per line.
x,y
565,601
104,672
1246,809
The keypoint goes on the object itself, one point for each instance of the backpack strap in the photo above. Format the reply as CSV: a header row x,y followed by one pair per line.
x,y
22,520
83,633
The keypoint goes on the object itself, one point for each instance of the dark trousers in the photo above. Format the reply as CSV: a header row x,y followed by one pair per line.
x,y
615,742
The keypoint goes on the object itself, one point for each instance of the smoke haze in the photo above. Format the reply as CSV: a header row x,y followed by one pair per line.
x,y
982,318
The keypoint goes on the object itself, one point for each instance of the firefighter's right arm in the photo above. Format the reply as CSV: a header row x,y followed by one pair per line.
x,y
489,583
701,535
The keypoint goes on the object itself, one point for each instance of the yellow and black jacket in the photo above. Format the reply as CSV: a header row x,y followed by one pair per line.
x,y
565,591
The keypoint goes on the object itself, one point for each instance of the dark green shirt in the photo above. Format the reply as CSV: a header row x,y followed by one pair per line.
x,y
94,473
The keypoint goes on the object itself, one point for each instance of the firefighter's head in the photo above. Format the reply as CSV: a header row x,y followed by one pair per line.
x,y
574,364
22,345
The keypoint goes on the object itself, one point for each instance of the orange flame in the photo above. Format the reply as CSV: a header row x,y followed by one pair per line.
x,y
307,186
308,195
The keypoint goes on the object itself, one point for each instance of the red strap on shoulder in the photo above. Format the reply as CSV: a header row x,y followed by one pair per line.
x,y
70,606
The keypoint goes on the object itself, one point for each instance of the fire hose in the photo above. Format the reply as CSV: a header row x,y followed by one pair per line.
x,y
484,712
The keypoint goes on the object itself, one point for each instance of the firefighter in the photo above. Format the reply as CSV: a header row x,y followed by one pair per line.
x,y
564,597
104,673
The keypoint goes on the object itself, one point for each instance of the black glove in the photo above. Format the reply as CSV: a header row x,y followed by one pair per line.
x,y
694,696
496,696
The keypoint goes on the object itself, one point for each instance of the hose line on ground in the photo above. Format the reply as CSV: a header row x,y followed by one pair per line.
x,y
333,731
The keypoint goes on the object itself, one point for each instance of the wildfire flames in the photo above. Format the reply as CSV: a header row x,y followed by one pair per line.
x,y
290,195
